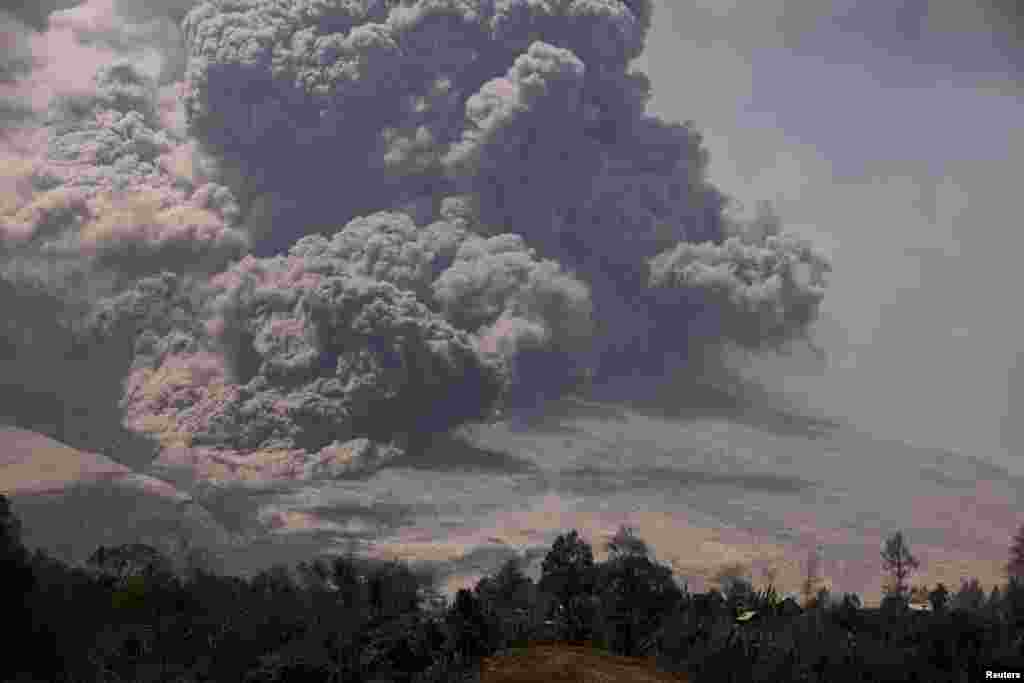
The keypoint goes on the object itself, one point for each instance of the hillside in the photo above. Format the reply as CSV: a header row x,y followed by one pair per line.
x,y
72,501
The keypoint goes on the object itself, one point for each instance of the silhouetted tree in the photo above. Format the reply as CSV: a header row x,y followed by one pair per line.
x,y
822,599
14,557
939,598
636,593
812,576
471,633
847,614
1013,602
1015,567
393,589
899,563
347,581
375,584
16,584
995,599
131,560
626,543
509,587
567,572
315,575
277,587
509,598
970,597
277,628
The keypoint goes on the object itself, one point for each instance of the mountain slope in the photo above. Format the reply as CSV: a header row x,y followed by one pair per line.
x,y
72,501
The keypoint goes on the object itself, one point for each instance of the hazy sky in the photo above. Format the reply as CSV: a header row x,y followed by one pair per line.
x,y
888,132
893,133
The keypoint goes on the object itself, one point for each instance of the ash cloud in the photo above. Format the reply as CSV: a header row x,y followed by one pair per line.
x,y
316,114
368,99
765,288
96,191
34,14
96,180
529,311
106,194
305,221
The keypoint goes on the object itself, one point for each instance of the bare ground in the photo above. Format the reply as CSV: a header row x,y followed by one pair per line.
x,y
565,663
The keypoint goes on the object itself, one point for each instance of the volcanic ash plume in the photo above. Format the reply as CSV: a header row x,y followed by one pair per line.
x,y
350,208
108,194
297,357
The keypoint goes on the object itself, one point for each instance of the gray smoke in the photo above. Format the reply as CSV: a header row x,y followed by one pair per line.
x,y
458,193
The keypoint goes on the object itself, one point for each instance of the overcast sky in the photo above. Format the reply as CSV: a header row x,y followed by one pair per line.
x,y
892,133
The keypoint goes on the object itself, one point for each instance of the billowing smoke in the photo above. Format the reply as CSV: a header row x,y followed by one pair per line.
x,y
765,288
295,356
104,202
97,189
528,311
342,210
100,185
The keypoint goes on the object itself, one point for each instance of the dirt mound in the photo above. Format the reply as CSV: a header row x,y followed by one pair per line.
x,y
570,663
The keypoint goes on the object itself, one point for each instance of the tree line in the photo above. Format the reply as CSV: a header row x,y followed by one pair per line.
x,y
133,614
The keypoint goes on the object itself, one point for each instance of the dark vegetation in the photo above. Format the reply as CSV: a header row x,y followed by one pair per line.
x,y
132,614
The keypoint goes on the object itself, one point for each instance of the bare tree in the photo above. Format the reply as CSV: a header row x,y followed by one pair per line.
x,y
812,577
626,543
899,563
1015,568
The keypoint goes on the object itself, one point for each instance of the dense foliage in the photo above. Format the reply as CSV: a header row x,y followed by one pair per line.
x,y
127,615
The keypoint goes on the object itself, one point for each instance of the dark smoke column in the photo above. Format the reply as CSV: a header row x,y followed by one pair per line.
x,y
527,114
